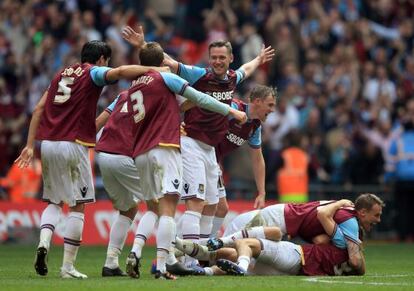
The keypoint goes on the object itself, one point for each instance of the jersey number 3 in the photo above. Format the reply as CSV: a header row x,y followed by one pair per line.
x,y
138,107
63,92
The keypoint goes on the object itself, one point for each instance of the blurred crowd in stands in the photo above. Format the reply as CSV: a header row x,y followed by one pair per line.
x,y
344,69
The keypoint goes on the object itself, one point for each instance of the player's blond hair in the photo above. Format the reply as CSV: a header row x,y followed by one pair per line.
x,y
261,92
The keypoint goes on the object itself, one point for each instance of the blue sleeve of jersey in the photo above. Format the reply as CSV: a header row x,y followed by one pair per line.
x,y
350,230
111,106
98,76
174,83
255,141
190,73
240,75
338,238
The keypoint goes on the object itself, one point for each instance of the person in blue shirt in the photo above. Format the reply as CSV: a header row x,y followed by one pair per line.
x,y
400,170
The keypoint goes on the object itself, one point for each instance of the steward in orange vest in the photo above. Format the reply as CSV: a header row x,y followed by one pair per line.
x,y
292,178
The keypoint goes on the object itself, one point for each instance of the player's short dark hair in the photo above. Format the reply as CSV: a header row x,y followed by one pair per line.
x,y
151,54
221,43
367,201
93,50
261,92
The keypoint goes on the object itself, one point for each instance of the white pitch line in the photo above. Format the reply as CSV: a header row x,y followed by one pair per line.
x,y
374,276
321,280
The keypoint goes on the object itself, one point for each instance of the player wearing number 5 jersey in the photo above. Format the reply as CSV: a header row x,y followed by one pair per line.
x,y
64,120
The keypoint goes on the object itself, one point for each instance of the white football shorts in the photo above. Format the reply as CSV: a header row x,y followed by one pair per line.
x,y
67,173
121,181
200,171
160,172
277,258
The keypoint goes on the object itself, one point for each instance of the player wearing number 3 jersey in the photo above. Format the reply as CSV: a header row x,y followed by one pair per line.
x,y
156,135
64,120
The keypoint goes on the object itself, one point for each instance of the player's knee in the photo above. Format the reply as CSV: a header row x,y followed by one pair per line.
x,y
152,206
195,204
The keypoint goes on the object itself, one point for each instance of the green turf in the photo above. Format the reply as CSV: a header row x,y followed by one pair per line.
x,y
389,267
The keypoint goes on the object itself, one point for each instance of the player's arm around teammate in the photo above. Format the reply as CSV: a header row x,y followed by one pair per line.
x,y
325,216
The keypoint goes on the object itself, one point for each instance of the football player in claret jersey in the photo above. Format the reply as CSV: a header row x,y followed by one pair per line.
x,y
304,220
274,257
64,120
205,129
121,181
262,101
152,137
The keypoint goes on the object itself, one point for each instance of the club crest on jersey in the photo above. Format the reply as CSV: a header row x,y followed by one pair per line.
x,y
83,191
176,183
186,187
201,188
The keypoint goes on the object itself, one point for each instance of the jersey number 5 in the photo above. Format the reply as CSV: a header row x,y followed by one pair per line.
x,y
63,92
138,107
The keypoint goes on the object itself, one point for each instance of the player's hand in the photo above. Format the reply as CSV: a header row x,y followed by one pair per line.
x,y
136,38
346,203
266,54
182,129
240,116
25,157
259,202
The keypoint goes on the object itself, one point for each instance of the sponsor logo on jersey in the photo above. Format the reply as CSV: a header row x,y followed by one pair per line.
x,y
176,183
221,96
83,191
237,140
201,188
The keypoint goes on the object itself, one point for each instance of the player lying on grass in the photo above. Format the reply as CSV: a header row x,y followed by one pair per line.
x,y
324,219
304,221
270,256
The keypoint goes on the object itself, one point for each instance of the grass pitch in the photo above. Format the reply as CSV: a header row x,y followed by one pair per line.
x,y
389,267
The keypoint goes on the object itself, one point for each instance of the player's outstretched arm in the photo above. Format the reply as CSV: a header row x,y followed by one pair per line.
x,y
131,72
137,39
265,55
26,156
